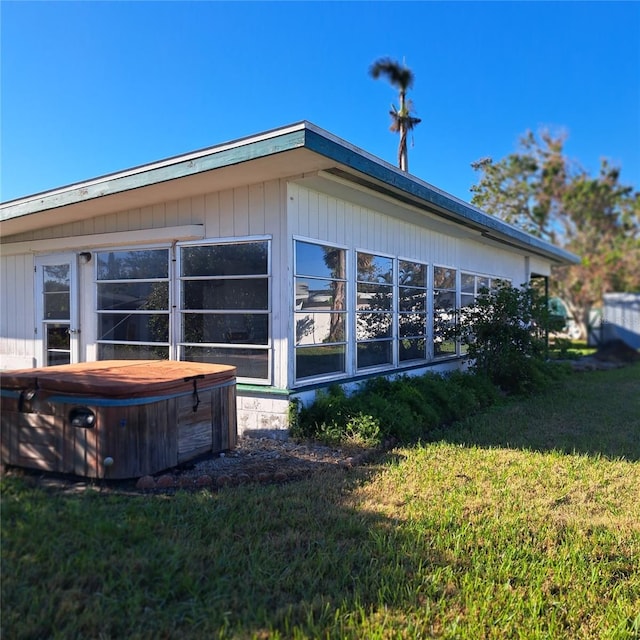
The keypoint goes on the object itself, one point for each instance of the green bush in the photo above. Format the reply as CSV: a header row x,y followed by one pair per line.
x,y
504,332
407,408
504,335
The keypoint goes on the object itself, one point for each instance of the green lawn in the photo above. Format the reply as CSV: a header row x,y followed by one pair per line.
x,y
523,522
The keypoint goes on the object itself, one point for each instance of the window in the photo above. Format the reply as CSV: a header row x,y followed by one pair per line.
x,y
374,310
225,306
412,311
470,286
133,304
444,310
320,310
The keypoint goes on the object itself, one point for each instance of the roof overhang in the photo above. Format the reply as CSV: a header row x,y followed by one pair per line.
x,y
295,150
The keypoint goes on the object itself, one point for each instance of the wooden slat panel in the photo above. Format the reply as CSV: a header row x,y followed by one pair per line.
x,y
229,417
39,441
92,449
79,439
167,426
38,436
217,426
194,432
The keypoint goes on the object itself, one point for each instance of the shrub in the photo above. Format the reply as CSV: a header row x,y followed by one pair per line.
x,y
504,332
407,408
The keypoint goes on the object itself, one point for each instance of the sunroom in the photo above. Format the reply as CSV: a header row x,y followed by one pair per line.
x,y
292,255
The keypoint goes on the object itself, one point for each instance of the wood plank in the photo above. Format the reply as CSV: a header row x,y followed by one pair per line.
x,y
194,431
217,433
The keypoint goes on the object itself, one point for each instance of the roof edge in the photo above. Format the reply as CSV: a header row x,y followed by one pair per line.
x,y
302,134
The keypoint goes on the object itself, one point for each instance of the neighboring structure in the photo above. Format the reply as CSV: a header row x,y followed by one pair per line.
x,y
292,255
621,318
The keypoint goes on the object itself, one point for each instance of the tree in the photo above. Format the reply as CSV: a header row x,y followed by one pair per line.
x,y
402,121
539,190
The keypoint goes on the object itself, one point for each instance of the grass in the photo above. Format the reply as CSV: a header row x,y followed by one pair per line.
x,y
523,522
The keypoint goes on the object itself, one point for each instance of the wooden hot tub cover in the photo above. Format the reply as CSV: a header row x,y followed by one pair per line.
x,y
120,378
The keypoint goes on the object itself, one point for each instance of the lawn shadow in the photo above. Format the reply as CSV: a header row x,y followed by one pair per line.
x,y
252,561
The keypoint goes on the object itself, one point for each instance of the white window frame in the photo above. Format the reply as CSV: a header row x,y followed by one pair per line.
x,y
179,345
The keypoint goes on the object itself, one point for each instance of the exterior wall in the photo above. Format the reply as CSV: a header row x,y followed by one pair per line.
x,y
318,216
17,312
252,210
262,413
276,209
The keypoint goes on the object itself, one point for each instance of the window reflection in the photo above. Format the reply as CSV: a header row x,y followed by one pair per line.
x,y
372,326
373,268
317,294
444,278
320,260
412,274
133,295
320,309
133,303
373,354
225,301
232,294
245,328
139,327
444,311
318,328
249,363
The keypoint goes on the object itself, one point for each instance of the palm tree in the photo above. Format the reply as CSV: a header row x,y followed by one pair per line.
x,y
399,76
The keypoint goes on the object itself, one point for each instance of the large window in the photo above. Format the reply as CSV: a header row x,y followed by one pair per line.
x,y
380,323
444,311
225,306
320,310
374,310
133,304
412,311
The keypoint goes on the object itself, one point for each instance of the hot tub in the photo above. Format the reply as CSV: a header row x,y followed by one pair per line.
x,y
117,418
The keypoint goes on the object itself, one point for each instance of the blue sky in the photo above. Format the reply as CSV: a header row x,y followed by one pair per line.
x,y
89,88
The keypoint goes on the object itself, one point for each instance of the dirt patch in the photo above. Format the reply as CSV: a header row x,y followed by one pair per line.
x,y
254,460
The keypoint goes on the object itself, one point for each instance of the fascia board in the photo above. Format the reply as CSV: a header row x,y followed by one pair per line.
x,y
170,169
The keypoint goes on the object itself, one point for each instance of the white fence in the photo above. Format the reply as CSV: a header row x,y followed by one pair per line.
x,y
621,318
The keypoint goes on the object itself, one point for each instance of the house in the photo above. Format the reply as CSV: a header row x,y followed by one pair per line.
x,y
291,254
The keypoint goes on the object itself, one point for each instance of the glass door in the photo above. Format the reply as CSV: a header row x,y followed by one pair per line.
x,y
58,329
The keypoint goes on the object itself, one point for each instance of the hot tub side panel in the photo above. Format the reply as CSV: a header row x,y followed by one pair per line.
x,y
40,436
137,437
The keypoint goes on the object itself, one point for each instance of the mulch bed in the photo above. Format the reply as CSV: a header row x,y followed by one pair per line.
x,y
255,460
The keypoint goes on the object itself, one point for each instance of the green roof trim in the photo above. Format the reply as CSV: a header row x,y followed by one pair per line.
x,y
463,212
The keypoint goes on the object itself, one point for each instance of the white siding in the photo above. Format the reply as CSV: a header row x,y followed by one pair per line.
x,y
234,213
323,217
17,312
277,208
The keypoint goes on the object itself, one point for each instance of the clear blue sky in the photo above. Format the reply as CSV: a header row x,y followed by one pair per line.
x,y
90,88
